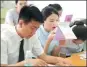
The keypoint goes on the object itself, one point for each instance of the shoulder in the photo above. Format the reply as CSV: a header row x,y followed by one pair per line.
x,y
39,32
6,30
34,38
6,27
11,11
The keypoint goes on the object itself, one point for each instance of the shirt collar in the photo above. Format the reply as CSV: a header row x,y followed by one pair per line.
x,y
44,31
17,37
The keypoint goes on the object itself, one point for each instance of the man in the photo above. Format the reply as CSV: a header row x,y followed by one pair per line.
x,y
13,14
29,20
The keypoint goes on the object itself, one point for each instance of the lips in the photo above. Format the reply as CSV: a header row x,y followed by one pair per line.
x,y
53,27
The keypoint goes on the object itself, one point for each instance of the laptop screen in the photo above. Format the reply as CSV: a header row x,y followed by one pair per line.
x,y
68,18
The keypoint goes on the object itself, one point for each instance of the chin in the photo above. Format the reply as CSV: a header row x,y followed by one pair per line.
x,y
27,37
30,36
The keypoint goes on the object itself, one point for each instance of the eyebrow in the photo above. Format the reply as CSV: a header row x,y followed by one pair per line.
x,y
35,27
53,19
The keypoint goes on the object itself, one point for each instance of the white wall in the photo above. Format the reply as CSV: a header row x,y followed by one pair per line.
x,y
8,4
77,8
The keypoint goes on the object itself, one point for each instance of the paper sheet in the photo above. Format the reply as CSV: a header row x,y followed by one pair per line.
x,y
64,32
83,55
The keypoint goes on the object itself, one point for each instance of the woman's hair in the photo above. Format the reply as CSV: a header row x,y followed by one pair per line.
x,y
85,21
47,11
80,30
56,6
82,21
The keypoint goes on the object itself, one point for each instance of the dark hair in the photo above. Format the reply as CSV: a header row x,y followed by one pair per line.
x,y
56,6
47,11
85,21
80,30
16,1
28,13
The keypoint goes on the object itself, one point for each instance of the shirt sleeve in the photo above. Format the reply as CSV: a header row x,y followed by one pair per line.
x,y
37,48
9,18
4,55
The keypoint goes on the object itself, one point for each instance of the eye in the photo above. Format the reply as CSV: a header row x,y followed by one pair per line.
x,y
20,3
51,21
57,20
34,28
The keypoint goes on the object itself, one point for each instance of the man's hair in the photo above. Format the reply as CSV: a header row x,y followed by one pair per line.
x,y
47,11
16,1
29,13
80,30
56,6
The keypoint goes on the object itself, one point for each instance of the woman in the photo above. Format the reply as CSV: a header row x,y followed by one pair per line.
x,y
45,33
58,7
76,45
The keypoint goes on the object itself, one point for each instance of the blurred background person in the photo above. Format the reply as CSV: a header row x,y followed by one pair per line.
x,y
58,7
13,14
75,45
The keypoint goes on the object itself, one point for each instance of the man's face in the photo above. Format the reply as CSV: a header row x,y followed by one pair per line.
x,y
30,28
20,4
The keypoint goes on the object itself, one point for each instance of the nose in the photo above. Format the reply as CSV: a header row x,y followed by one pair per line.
x,y
55,24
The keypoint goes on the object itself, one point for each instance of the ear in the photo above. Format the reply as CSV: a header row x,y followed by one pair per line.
x,y
21,22
44,22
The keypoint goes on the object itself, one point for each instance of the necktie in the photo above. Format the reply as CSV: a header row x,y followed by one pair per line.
x,y
21,52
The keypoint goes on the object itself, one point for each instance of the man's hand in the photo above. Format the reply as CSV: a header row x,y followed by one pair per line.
x,y
38,62
63,62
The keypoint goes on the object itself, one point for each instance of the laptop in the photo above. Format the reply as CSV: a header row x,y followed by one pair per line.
x,y
68,18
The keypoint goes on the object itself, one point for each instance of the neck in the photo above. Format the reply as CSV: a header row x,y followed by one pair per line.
x,y
46,29
18,30
17,10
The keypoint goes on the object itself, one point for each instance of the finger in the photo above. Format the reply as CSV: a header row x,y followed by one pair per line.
x,y
53,32
55,29
43,63
60,64
67,61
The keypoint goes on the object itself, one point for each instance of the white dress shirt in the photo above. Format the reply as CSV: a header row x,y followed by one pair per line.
x,y
10,44
12,17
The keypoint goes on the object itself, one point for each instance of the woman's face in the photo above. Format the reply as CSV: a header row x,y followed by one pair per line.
x,y
51,22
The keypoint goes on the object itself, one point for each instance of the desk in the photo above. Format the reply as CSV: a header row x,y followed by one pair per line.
x,y
75,58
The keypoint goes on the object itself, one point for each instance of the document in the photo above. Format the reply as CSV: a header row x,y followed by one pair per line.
x,y
64,32
83,55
